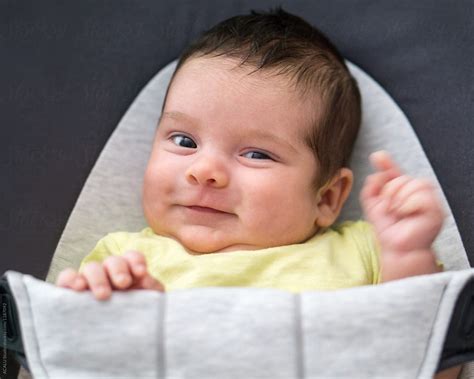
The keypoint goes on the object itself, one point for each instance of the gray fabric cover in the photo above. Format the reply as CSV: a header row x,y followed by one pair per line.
x,y
393,330
111,198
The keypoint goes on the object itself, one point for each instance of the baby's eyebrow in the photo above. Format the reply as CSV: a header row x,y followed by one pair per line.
x,y
177,116
247,132
257,133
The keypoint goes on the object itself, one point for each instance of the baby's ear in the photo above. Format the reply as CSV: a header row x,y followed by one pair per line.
x,y
333,196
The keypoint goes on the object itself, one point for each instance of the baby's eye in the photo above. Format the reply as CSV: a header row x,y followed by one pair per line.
x,y
256,155
183,141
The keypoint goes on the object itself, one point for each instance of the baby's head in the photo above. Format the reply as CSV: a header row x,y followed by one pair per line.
x,y
255,136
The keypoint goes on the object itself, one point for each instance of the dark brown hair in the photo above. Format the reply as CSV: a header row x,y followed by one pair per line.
x,y
288,45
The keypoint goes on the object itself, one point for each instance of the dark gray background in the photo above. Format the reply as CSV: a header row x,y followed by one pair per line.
x,y
69,70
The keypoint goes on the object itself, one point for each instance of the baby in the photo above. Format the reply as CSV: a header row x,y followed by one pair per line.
x,y
249,172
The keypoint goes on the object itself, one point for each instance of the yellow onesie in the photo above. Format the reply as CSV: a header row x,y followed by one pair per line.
x,y
344,255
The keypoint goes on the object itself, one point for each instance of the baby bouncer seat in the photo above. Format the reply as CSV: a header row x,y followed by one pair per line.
x,y
409,328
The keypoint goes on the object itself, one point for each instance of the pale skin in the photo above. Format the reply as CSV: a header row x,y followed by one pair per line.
x,y
236,167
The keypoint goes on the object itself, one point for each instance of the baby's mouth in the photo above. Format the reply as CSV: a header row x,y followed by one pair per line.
x,y
205,209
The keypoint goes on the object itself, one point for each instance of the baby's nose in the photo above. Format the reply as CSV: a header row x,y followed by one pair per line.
x,y
208,171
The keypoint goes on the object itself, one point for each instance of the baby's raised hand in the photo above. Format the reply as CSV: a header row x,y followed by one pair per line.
x,y
115,273
406,212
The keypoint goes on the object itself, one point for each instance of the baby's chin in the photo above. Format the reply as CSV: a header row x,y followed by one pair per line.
x,y
202,240
196,247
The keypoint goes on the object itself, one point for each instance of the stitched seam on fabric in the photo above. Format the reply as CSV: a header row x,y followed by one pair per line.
x,y
298,337
161,361
427,348
34,327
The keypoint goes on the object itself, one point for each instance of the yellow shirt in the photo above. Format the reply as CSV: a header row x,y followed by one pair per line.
x,y
342,256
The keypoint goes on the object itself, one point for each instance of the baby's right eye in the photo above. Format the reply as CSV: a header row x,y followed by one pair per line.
x,y
183,141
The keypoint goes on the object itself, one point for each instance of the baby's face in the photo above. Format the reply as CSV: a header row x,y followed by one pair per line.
x,y
229,169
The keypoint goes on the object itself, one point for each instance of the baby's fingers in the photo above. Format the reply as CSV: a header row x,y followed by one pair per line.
x,y
374,184
394,186
98,280
372,196
420,201
69,278
403,190
382,161
118,272
137,263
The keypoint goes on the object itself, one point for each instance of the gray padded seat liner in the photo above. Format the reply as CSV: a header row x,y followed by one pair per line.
x,y
392,330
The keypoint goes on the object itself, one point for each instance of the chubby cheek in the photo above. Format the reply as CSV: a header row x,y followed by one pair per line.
x,y
158,184
284,213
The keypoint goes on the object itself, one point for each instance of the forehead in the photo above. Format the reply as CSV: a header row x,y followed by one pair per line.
x,y
218,89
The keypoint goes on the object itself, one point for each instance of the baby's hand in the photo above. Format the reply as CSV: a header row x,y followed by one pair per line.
x,y
115,273
406,212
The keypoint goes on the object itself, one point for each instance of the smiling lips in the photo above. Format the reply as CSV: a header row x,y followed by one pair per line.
x,y
206,210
